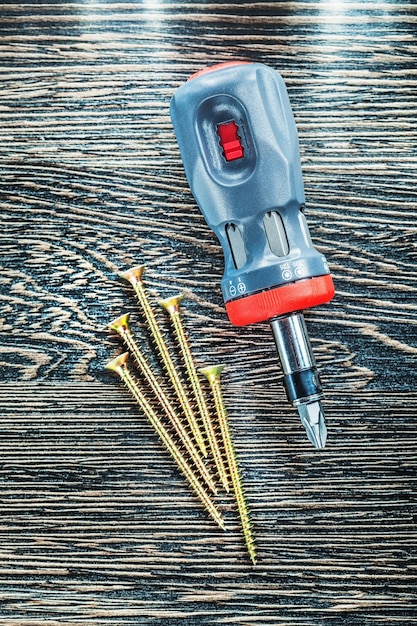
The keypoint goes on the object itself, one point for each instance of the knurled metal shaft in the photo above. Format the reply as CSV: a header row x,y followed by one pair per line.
x,y
121,326
213,376
119,365
134,276
172,306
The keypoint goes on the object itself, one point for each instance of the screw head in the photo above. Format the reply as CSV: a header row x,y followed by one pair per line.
x,y
118,363
213,372
120,323
134,275
172,305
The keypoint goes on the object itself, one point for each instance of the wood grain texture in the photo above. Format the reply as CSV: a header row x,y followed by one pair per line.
x,y
96,524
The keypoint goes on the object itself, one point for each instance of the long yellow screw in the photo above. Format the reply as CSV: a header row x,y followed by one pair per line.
x,y
134,276
121,326
119,365
172,306
213,376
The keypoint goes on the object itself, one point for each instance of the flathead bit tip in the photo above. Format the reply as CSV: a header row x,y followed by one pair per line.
x,y
312,418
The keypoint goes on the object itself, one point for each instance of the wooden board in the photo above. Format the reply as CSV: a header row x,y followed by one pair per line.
x,y
97,525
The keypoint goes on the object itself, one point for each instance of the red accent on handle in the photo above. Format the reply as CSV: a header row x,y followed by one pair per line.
x,y
263,306
219,66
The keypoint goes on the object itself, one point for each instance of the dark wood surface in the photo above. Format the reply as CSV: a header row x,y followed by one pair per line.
x,y
97,526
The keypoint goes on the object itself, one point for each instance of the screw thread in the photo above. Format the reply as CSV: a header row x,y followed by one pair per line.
x,y
120,367
213,375
172,306
121,326
136,280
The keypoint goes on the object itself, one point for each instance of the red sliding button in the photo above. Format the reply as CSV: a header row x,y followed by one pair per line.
x,y
230,141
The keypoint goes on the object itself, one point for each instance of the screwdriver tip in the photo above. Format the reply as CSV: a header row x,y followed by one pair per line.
x,y
312,418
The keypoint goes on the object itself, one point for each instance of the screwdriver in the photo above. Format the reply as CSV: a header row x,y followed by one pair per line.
x,y
239,146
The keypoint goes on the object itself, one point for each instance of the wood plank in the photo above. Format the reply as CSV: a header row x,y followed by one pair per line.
x,y
88,514
97,525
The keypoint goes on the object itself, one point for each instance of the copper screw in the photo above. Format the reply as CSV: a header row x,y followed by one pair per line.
x,y
134,276
121,326
119,365
213,376
172,306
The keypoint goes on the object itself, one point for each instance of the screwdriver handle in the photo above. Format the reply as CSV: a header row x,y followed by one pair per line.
x,y
239,146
